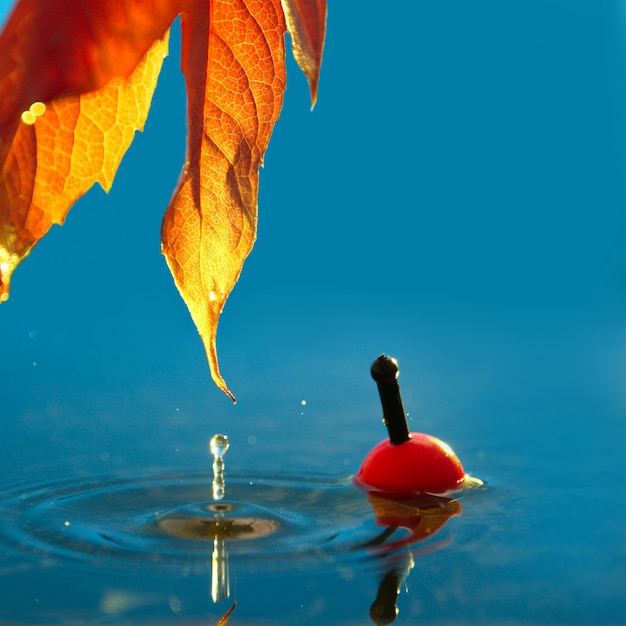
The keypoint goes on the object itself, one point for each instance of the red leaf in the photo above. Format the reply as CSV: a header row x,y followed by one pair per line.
x,y
54,48
306,21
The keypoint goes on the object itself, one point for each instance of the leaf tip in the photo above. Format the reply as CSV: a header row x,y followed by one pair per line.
x,y
306,23
7,265
229,394
4,287
313,90
215,370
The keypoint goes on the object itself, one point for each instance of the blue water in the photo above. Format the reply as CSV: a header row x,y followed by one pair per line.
x,y
455,200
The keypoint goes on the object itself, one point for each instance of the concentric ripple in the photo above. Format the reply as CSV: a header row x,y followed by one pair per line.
x,y
165,523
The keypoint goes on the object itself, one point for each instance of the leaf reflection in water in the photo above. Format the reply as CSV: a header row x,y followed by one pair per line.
x,y
224,619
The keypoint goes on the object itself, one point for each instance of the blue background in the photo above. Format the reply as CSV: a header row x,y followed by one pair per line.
x,y
456,199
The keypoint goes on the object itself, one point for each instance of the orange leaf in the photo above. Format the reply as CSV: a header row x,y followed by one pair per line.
x,y
76,81
55,48
59,151
235,82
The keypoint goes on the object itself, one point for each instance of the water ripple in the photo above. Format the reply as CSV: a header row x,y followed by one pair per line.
x,y
164,523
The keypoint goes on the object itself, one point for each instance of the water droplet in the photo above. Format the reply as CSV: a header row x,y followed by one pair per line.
x,y
219,445
175,604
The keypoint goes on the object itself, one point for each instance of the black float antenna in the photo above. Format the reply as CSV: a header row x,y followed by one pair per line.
x,y
385,372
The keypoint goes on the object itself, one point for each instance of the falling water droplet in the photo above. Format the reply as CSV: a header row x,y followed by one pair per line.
x,y
218,446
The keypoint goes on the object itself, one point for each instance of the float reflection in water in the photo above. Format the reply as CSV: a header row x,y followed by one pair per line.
x,y
421,518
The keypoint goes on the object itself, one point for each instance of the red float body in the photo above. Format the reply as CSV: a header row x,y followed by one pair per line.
x,y
421,465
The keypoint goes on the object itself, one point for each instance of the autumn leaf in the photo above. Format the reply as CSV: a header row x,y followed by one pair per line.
x,y
76,82
76,141
74,87
306,22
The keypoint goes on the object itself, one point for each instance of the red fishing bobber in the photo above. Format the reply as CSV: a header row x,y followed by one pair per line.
x,y
407,465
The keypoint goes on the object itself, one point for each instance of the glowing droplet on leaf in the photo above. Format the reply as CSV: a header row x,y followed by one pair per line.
x,y
28,118
36,110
